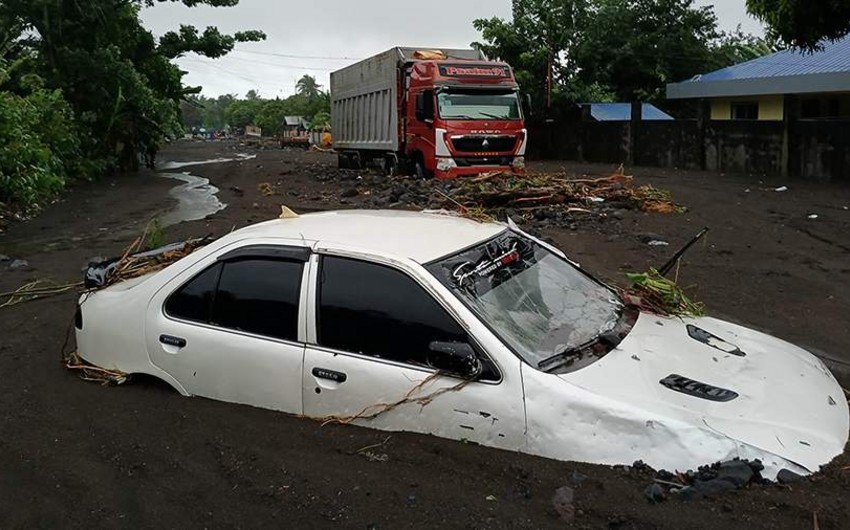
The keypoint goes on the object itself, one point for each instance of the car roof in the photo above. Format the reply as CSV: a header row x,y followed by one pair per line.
x,y
419,236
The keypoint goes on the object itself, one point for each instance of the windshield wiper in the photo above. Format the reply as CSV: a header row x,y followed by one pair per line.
x,y
493,116
610,338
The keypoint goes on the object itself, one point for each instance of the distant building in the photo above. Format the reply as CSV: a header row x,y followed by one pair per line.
x,y
805,85
621,112
295,125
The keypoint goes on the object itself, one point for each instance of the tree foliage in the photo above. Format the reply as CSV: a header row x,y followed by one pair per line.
x,y
309,101
605,50
803,23
110,80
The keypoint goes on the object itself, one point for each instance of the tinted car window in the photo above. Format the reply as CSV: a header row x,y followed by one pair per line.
x,y
378,311
259,296
193,301
253,294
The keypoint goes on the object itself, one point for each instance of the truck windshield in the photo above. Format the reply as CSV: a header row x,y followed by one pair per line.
x,y
478,105
539,304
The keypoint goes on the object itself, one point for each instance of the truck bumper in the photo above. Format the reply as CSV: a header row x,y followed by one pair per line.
x,y
449,168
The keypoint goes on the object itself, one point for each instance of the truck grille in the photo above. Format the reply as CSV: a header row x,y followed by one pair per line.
x,y
484,144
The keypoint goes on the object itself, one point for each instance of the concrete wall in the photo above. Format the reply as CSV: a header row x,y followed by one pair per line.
x,y
817,149
822,149
744,147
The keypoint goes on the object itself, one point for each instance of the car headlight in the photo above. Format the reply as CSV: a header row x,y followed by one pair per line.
x,y
445,164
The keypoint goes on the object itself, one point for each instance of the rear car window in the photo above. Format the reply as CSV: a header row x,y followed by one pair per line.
x,y
254,295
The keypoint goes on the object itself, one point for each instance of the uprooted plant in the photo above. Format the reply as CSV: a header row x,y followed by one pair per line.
x,y
652,292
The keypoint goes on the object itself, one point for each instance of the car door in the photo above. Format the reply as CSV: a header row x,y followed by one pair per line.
x,y
366,361
230,328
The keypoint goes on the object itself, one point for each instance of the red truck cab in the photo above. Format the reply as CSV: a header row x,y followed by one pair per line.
x,y
461,118
443,112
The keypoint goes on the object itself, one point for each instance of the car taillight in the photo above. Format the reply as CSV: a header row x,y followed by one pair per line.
x,y
78,317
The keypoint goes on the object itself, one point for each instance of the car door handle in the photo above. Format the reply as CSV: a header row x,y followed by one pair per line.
x,y
171,340
324,373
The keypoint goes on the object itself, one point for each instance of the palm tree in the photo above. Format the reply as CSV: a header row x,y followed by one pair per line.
x,y
308,87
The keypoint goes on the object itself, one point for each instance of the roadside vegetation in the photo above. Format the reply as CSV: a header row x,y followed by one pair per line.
x,y
229,111
86,89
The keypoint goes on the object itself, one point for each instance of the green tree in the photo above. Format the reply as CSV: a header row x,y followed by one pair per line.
x,y
605,50
243,112
39,144
271,114
636,47
321,119
118,79
803,23
541,33
308,87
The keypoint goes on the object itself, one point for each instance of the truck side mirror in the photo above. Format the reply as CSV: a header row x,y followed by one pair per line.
x,y
425,106
420,106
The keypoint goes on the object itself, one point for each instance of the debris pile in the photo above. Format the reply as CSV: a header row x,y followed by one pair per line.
x,y
652,292
542,199
498,190
133,263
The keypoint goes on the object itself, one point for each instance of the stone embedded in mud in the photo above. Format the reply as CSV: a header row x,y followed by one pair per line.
x,y
563,502
19,264
713,487
349,192
737,472
786,476
4,258
654,493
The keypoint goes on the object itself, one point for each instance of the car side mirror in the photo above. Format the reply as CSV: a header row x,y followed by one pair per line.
x,y
454,357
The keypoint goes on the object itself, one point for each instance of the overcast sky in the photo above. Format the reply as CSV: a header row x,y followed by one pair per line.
x,y
321,36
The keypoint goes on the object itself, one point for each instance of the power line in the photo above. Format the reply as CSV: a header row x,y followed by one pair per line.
x,y
289,56
255,82
289,66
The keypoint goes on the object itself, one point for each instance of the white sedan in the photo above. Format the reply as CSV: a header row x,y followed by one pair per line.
x,y
473,331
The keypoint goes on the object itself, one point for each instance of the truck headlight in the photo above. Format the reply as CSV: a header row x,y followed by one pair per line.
x,y
445,164
519,162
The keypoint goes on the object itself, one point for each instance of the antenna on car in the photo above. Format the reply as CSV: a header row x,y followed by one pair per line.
x,y
672,261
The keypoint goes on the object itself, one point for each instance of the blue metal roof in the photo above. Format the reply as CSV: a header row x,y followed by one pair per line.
x,y
786,72
834,57
623,112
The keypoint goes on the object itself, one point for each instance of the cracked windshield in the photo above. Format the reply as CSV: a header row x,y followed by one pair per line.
x,y
476,105
536,302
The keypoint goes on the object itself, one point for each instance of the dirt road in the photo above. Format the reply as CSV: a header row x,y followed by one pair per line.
x,y
77,454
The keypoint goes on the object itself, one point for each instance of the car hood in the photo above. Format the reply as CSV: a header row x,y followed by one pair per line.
x,y
746,385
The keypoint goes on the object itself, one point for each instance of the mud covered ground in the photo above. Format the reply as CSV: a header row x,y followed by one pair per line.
x,y
77,454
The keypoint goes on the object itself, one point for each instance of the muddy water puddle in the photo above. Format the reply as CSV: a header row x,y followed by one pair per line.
x,y
239,157
196,199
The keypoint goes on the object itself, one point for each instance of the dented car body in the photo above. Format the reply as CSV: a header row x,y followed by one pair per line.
x,y
430,323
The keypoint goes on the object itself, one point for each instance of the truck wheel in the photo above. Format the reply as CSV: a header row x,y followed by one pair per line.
x,y
421,171
391,165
